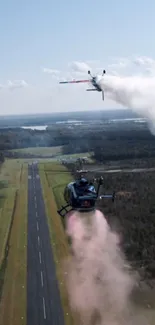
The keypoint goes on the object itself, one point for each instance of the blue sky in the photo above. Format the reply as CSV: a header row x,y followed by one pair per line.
x,y
35,34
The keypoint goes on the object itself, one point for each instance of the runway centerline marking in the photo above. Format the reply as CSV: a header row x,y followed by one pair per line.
x,y
37,226
40,257
42,282
38,240
44,309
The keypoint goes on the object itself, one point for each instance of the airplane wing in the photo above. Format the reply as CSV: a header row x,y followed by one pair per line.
x,y
91,89
73,81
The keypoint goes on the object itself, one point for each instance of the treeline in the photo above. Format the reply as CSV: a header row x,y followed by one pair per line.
x,y
24,138
124,145
106,144
16,138
112,145
120,150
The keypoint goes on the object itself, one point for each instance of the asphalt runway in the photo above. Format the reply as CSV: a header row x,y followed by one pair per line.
x,y
43,297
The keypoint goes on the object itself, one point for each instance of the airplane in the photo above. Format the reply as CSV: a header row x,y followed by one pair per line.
x,y
93,82
81,195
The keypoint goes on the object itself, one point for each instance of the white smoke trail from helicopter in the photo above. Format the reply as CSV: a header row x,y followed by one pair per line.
x,y
98,280
135,92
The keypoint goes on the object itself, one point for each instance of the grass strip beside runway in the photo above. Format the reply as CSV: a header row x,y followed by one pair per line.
x,y
13,300
57,235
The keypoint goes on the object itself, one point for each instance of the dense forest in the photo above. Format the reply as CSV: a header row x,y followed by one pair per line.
x,y
106,143
124,145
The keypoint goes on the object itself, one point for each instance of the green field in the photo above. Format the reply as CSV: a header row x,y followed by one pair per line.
x,y
13,232
42,151
54,152
57,178
10,174
77,155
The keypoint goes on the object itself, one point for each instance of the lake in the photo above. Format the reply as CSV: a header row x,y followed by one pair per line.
x,y
35,127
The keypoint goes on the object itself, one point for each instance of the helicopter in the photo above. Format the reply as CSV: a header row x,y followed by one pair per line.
x,y
93,81
81,195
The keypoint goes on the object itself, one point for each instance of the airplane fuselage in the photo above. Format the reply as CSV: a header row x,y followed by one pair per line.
x,y
94,83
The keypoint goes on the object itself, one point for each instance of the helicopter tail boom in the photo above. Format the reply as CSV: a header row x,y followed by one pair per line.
x,y
108,196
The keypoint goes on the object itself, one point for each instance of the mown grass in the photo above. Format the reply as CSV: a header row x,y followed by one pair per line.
x,y
5,221
57,177
78,155
57,235
42,151
51,151
10,175
13,302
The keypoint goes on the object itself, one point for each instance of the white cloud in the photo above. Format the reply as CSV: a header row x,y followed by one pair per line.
x,y
51,71
144,61
119,66
121,63
135,65
10,85
16,84
81,67
59,98
129,82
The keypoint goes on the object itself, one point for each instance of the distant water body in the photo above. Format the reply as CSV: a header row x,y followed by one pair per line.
x,y
35,127
75,122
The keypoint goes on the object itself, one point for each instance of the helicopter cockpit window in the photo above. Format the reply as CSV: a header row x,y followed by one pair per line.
x,y
91,188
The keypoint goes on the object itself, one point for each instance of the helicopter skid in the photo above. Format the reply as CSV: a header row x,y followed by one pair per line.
x,y
63,211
